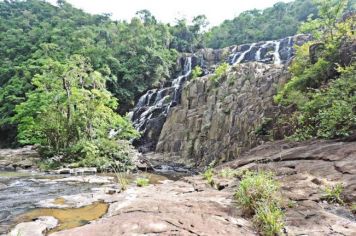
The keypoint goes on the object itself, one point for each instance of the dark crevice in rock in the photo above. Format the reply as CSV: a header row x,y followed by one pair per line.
x,y
338,169
181,227
278,159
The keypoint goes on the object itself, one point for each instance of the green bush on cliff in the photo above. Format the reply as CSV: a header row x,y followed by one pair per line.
x,y
331,111
219,72
196,72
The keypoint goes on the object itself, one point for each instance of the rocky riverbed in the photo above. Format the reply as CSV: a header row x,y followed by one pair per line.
x,y
190,206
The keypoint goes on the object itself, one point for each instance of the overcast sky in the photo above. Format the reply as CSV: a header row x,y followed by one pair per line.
x,y
168,10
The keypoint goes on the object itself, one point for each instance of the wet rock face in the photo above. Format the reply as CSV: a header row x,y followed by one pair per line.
x,y
219,121
152,108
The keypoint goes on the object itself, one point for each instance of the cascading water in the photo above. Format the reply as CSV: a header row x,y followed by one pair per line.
x,y
277,59
242,55
152,108
273,51
178,82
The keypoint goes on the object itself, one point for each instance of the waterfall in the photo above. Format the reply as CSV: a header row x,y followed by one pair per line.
x,y
153,107
272,51
178,82
242,55
277,58
258,53
156,102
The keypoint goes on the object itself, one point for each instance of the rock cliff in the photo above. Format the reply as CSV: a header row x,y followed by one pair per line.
x,y
219,121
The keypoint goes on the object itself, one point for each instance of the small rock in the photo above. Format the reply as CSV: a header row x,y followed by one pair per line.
x,y
85,171
64,171
35,228
110,191
2,186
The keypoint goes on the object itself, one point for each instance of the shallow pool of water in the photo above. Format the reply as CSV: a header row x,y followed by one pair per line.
x,y
20,191
68,217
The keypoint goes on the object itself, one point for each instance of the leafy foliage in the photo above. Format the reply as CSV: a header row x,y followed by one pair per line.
x,y
189,38
196,72
323,85
70,113
220,72
132,56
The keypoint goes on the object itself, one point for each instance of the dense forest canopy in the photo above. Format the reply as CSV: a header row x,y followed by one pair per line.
x,y
281,20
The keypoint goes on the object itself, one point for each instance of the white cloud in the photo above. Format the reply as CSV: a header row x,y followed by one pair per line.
x,y
168,10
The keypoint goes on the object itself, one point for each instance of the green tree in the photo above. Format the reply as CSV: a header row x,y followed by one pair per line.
x,y
69,105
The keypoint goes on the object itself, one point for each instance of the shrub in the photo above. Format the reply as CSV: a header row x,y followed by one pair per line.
x,y
333,193
258,193
220,72
142,182
196,72
323,94
103,154
331,111
255,188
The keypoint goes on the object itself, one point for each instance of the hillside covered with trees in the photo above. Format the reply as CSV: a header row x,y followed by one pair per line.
x,y
81,73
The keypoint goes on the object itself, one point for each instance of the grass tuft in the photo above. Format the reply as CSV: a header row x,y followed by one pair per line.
x,y
332,194
258,194
228,173
142,182
255,188
208,175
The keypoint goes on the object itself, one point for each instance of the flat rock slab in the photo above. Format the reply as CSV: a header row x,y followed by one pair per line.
x,y
169,209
